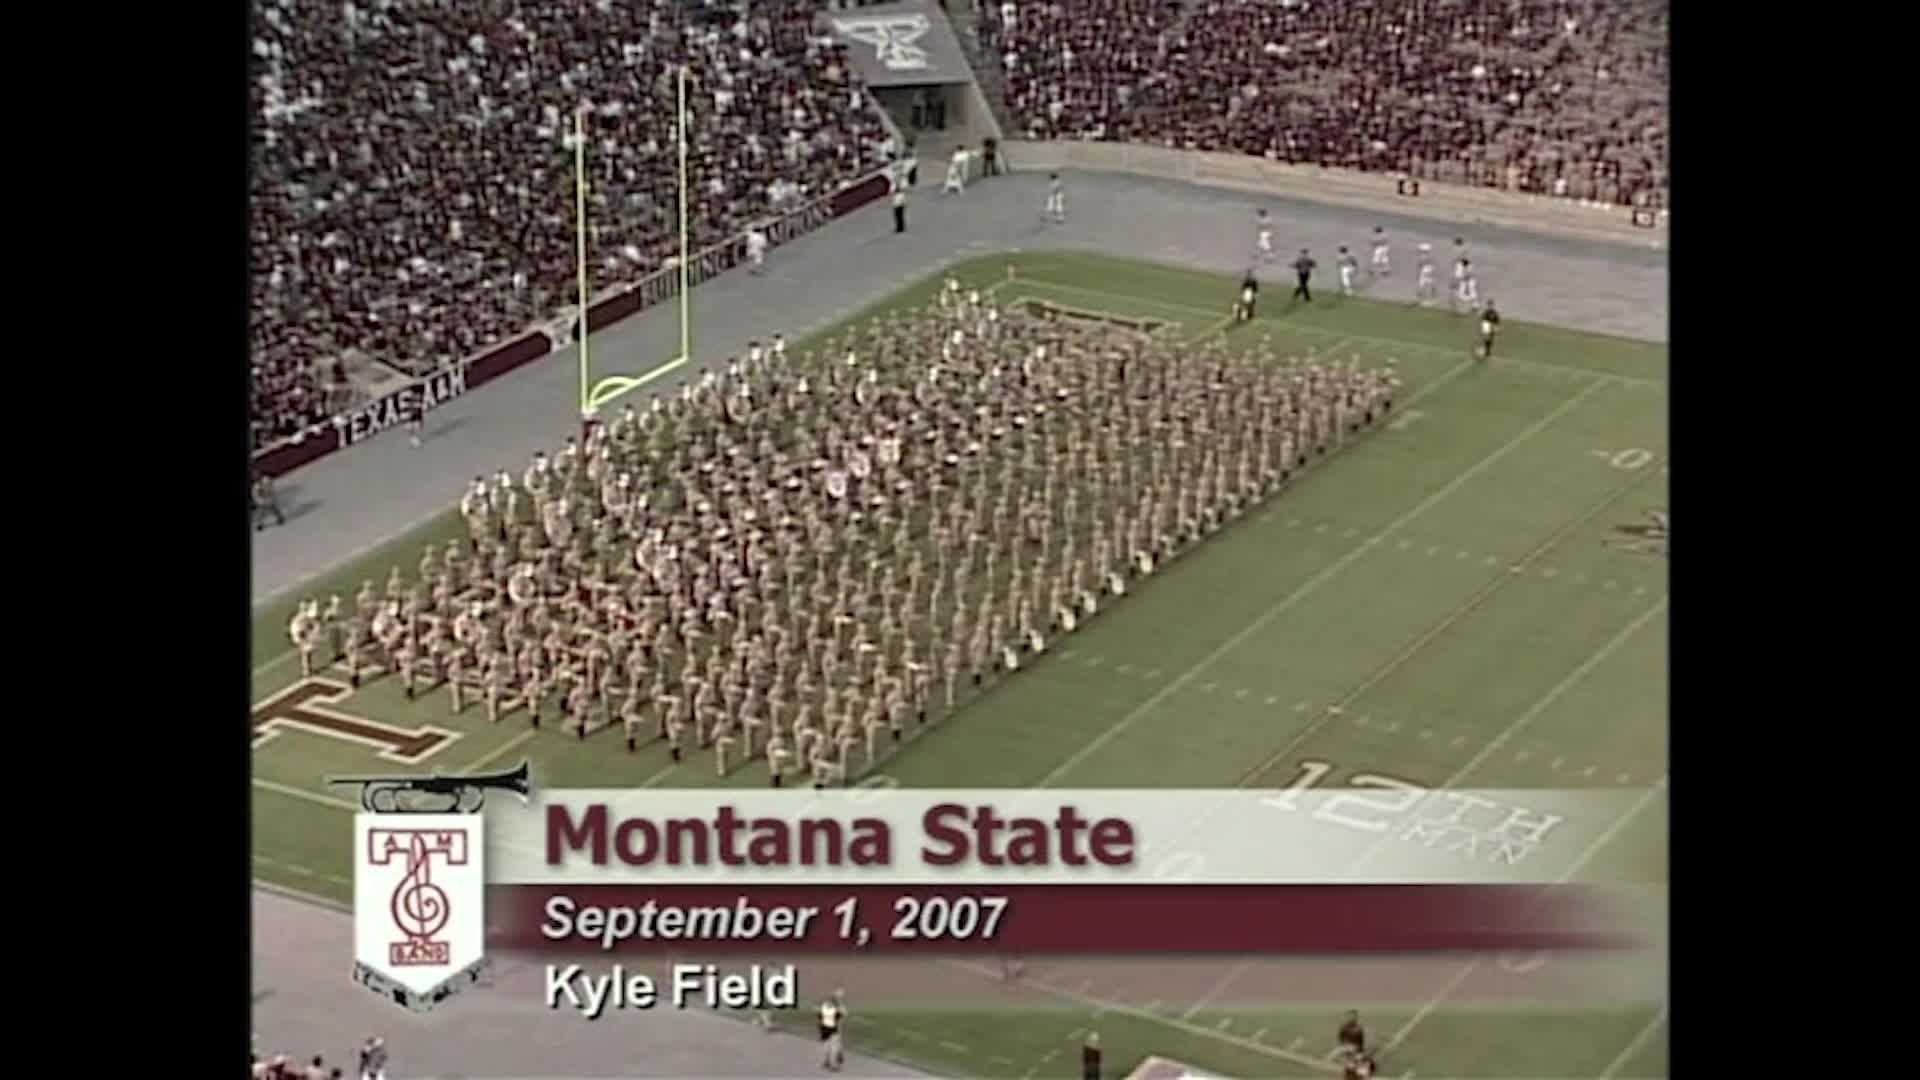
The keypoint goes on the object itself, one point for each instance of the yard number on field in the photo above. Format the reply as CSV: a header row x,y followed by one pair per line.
x,y
1456,822
1632,459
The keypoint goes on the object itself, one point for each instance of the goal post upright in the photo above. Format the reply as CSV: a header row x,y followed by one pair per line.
x,y
594,394
580,254
686,273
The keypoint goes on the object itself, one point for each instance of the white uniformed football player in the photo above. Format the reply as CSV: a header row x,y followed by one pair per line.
x,y
1423,286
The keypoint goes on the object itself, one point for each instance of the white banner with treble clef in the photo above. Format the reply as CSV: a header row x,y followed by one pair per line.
x,y
419,905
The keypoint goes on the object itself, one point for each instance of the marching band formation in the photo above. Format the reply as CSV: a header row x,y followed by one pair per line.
x,y
795,563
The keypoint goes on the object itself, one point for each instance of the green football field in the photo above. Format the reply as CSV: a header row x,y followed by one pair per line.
x,y
1473,597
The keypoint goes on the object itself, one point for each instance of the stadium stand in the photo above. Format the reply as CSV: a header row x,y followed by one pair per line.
x,y
412,170
1560,97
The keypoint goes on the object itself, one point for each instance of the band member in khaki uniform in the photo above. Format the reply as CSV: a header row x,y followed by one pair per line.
x,y
305,631
779,756
787,543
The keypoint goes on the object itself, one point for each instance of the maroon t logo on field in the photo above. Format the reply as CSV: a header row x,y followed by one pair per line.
x,y
304,706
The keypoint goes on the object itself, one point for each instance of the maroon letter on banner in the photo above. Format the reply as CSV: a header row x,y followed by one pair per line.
x,y
589,834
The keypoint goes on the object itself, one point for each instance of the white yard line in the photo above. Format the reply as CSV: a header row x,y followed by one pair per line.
x,y
1219,985
1560,688
501,751
1313,583
1639,1043
1586,856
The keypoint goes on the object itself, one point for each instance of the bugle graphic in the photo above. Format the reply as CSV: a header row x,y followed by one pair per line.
x,y
465,794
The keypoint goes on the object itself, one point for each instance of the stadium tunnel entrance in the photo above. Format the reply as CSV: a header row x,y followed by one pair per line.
x,y
909,56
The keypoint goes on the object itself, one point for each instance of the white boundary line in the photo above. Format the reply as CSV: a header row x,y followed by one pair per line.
x,y
1639,1042
1311,584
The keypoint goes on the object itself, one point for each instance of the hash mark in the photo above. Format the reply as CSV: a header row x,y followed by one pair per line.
x,y
1489,560
1426,733
1549,572
1225,1023
1431,550
1261,1034
1639,590
1459,740
1296,1044
1123,669
1268,516
1623,778
1154,674
1393,726
1095,661
1523,755
1464,554
1577,579
1405,544
1066,654
1293,523
1590,770
1240,694
952,1047
1362,720
1557,763
1208,688
1610,585
1273,700
1319,526
1299,706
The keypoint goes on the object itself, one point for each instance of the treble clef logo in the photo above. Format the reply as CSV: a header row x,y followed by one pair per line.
x,y
419,906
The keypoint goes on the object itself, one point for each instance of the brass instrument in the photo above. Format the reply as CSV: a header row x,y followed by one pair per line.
x,y
382,794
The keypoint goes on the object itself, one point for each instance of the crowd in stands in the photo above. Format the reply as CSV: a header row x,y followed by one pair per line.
x,y
413,167
1562,97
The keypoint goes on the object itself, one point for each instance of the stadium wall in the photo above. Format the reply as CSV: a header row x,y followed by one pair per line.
x,y
610,306
1398,193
